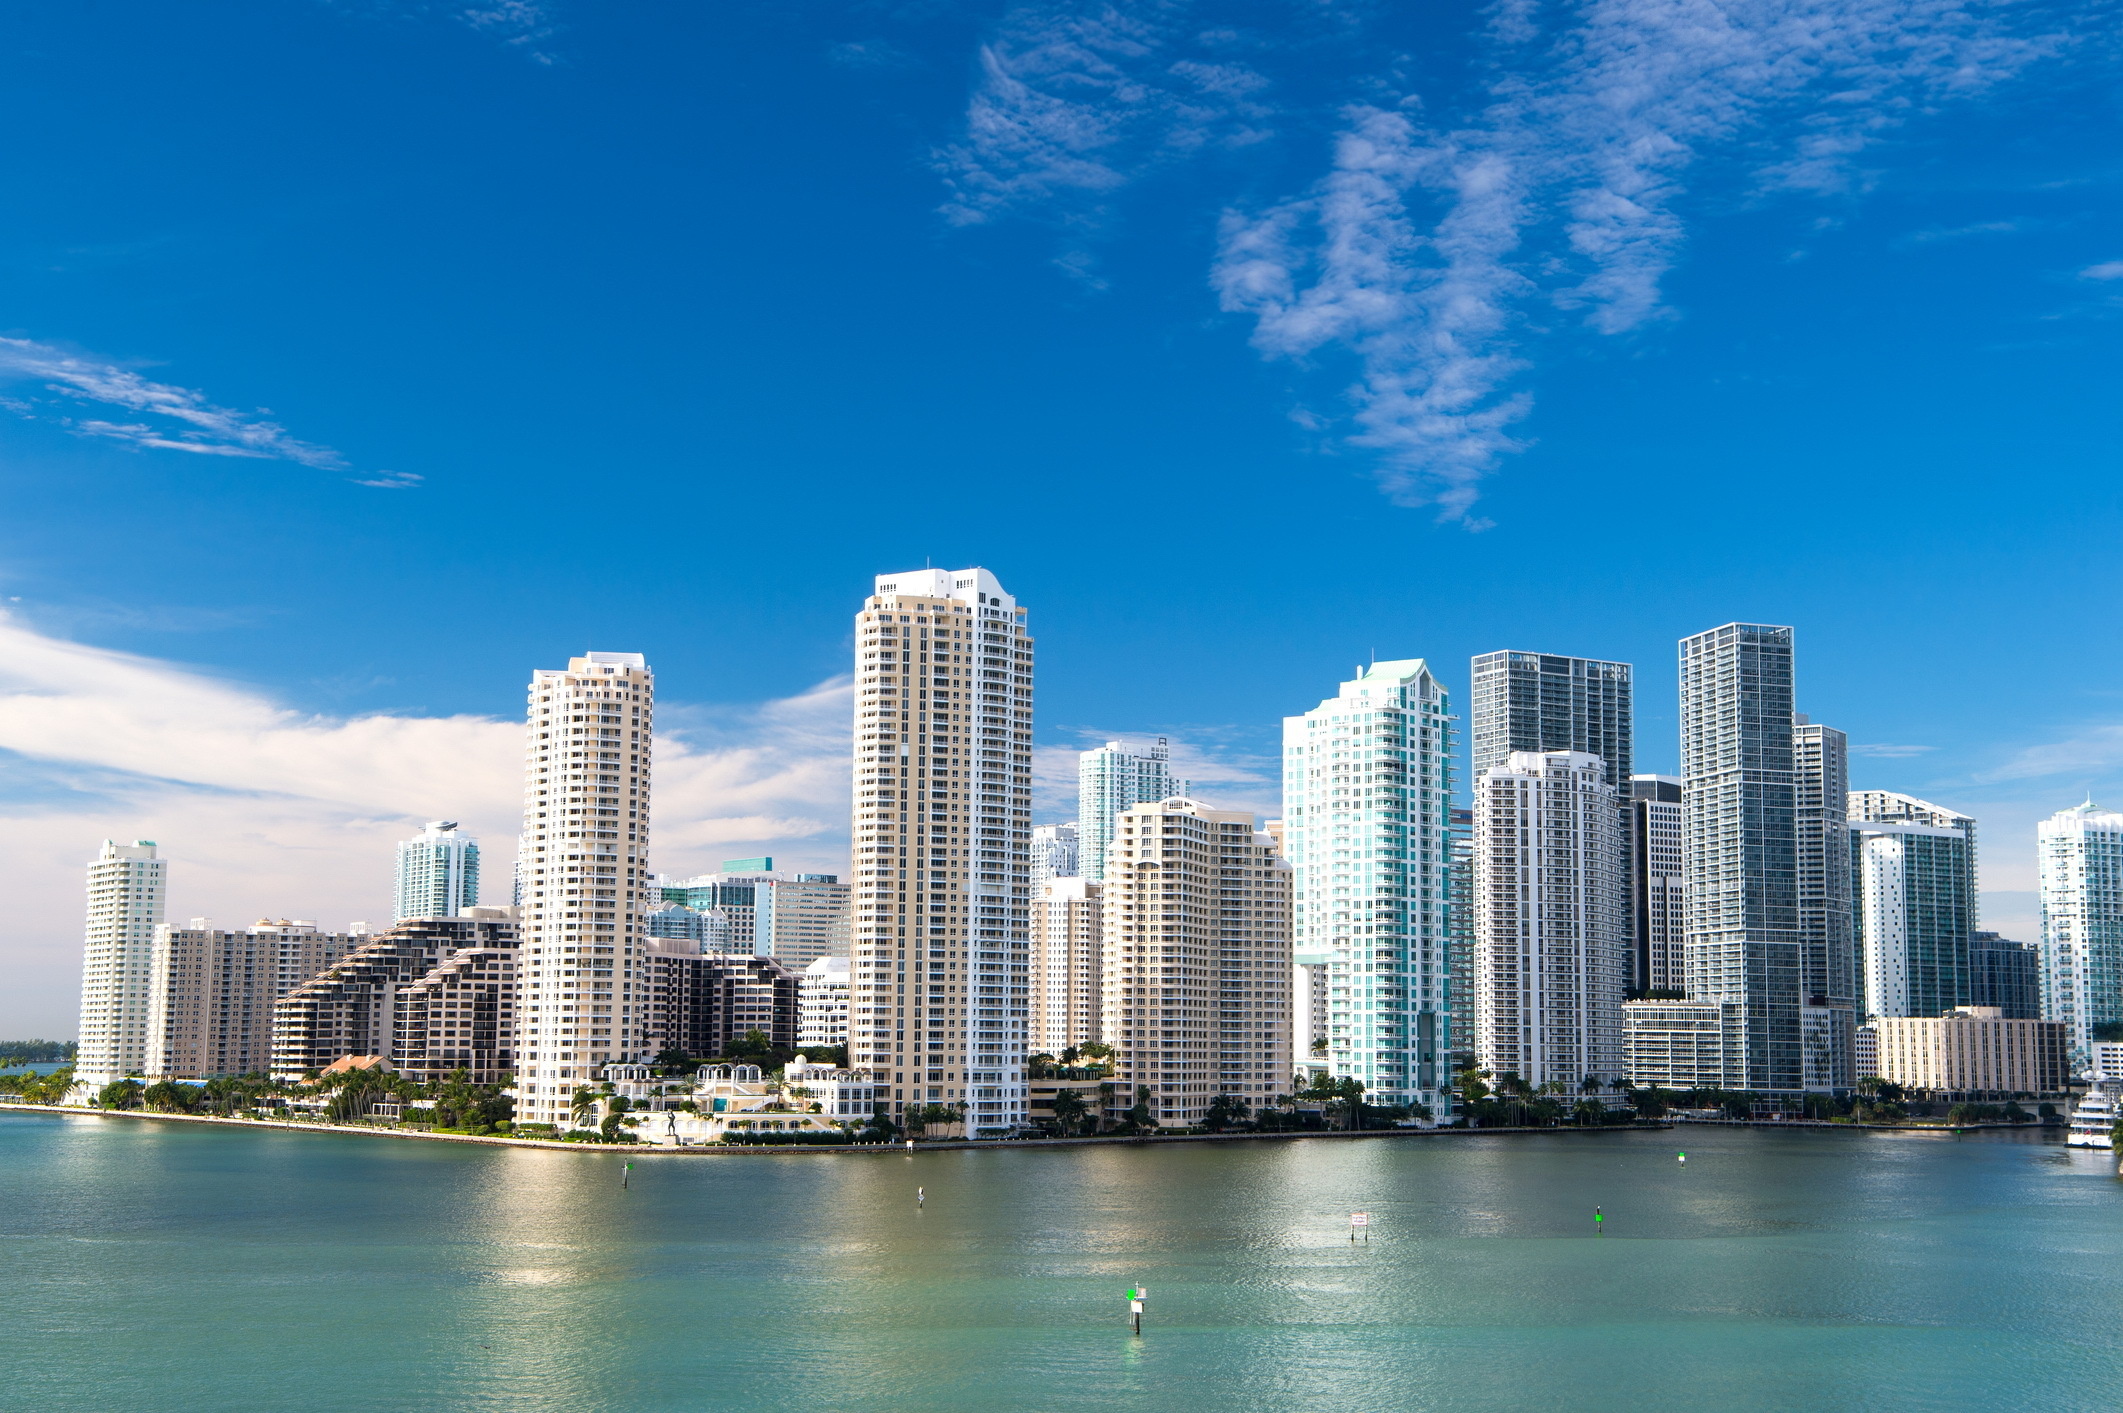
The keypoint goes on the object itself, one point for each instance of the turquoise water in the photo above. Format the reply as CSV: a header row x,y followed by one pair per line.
x,y
173,1267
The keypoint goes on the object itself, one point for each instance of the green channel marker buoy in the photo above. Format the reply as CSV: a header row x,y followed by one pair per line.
x,y
1684,1157
1598,1219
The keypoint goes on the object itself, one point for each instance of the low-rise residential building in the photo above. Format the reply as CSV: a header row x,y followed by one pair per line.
x,y
1973,1052
1683,1044
1090,1092
741,1101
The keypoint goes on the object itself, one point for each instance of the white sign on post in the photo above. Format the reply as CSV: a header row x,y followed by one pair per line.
x,y
1359,1219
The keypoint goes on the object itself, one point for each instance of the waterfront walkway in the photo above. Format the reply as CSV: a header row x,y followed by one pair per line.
x,y
924,1145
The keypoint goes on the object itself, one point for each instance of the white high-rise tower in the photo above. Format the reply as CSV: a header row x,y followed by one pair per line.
x,y
585,876
438,872
1113,778
1367,794
1552,953
942,832
126,887
2081,861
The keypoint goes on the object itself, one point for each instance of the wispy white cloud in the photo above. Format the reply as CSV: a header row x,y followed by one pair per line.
x,y
265,809
2106,270
2089,753
1881,751
183,420
527,26
1939,235
521,24
1074,103
1426,251
165,416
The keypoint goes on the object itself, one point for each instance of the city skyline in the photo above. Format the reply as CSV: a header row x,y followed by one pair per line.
x,y
789,255
1227,774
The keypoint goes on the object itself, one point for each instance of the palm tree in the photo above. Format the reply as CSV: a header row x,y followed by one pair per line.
x,y
585,1099
1069,1110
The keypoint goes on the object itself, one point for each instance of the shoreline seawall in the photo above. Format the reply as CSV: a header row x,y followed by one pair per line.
x,y
925,1146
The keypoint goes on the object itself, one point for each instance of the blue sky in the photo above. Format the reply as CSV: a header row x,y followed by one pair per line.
x,y
1242,341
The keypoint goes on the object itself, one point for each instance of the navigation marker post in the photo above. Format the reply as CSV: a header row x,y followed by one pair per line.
x,y
1360,1220
1599,1220
626,1176
1135,1308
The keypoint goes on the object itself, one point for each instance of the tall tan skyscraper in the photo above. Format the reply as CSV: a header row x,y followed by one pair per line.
x,y
1198,960
942,832
1068,964
125,901
584,866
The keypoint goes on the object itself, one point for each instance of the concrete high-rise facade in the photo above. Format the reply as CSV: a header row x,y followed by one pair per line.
x,y
795,918
214,991
438,872
1659,910
127,888
1740,842
1054,854
1113,778
1547,702
1552,953
822,1003
1197,960
736,900
1367,827
1820,784
1068,964
2080,857
590,730
942,834
1914,866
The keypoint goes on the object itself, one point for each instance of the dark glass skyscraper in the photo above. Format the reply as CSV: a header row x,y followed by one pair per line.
x,y
1544,702
1740,838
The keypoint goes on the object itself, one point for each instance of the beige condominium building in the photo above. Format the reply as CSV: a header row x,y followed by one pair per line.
x,y
1197,960
584,866
1552,948
215,989
942,834
1068,964
1973,1051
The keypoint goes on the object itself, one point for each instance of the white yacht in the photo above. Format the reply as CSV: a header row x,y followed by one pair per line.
x,y
2095,1118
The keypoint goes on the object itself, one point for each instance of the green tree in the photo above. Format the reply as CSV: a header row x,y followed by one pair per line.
x,y
753,1046
1226,1111
1140,1119
168,1097
921,1117
119,1094
1070,1111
